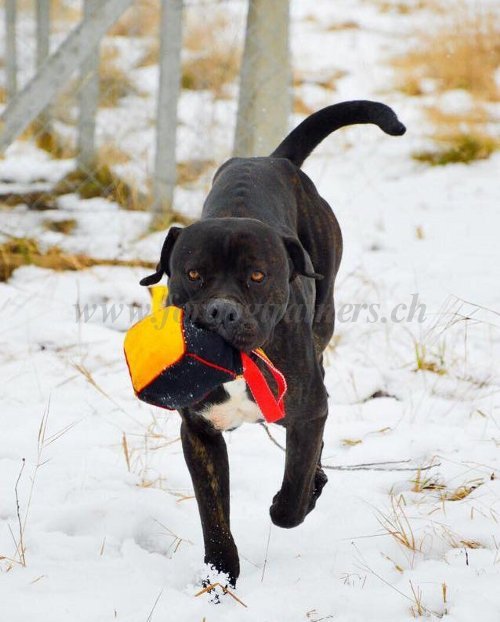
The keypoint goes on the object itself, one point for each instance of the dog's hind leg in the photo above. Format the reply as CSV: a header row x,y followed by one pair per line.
x,y
206,457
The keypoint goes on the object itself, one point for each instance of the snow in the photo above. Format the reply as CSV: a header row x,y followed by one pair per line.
x,y
114,533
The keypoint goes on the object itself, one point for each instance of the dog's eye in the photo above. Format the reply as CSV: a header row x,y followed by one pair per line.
x,y
194,275
257,276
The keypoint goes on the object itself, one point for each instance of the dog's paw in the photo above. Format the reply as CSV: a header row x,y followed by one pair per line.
x,y
284,514
215,584
223,571
287,513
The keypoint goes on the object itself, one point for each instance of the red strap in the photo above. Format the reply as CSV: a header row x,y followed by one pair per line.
x,y
273,409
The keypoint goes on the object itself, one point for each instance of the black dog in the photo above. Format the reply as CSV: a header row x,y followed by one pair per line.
x,y
259,268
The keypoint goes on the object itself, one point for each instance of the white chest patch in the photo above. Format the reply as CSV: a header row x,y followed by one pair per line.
x,y
236,410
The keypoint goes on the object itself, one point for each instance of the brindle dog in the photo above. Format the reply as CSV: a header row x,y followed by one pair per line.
x,y
259,268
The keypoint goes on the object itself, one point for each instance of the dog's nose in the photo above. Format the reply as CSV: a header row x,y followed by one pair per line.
x,y
223,312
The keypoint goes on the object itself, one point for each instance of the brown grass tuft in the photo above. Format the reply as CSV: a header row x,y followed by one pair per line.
x,y
111,153
463,491
398,526
66,225
16,252
403,7
211,70
140,20
114,82
463,54
101,181
421,483
347,25
189,171
427,363
49,140
459,147
300,106
214,53
213,59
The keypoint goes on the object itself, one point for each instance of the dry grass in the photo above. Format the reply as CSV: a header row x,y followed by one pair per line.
x,y
300,106
459,147
211,70
49,140
101,181
189,171
466,120
65,226
417,609
39,201
426,362
463,491
404,7
326,80
62,11
214,56
112,154
351,442
463,54
140,20
340,26
114,82
151,55
3,95
422,483
456,541
17,252
163,221
398,526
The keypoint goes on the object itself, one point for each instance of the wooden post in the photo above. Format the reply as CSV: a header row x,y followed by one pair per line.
x,y
168,95
10,48
57,70
42,50
42,31
88,98
265,84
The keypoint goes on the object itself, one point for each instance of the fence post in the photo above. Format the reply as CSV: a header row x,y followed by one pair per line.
x,y
265,96
168,94
88,99
42,50
10,47
57,70
42,31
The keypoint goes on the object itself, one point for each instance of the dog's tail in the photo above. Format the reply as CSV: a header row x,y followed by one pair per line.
x,y
307,136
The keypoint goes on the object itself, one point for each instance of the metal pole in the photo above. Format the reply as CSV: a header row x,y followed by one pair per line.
x,y
42,49
88,98
168,95
265,85
57,70
10,47
42,31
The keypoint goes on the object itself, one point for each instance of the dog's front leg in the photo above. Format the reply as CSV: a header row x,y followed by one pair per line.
x,y
303,479
206,457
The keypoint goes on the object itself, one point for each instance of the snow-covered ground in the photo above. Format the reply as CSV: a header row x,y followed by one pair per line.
x,y
110,526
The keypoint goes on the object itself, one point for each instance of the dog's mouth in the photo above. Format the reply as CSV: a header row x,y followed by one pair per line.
x,y
244,339
229,320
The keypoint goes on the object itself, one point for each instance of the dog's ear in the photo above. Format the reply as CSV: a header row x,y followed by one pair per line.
x,y
298,258
163,266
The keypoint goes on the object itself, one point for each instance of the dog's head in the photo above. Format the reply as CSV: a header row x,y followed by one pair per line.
x,y
232,276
